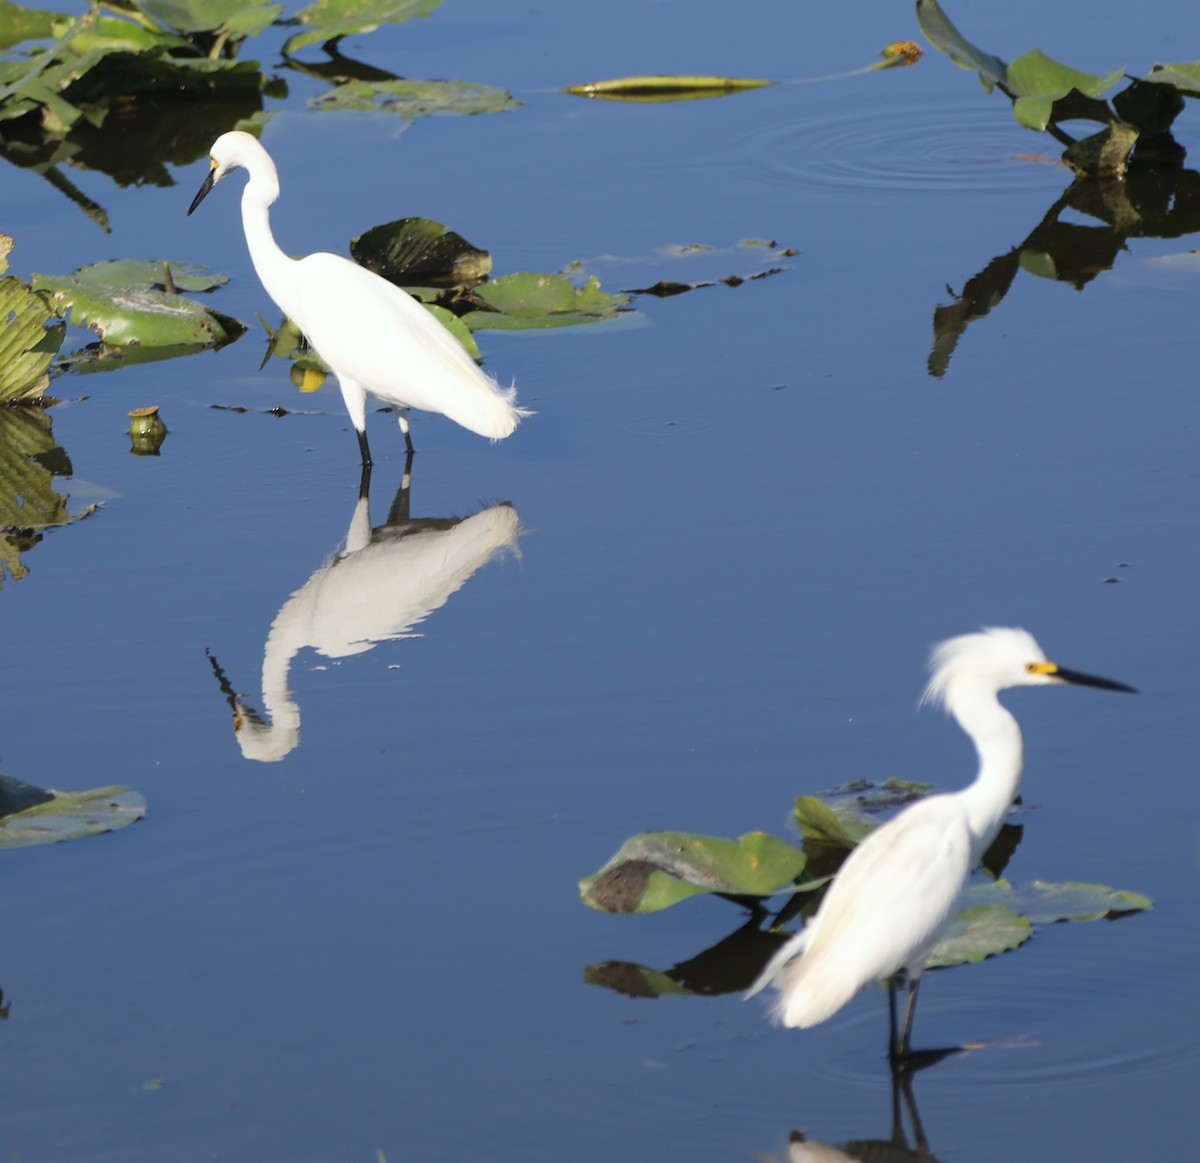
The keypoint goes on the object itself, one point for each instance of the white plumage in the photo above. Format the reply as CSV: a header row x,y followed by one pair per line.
x,y
899,889
375,336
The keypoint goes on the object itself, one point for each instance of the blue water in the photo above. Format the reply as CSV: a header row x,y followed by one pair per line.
x,y
745,515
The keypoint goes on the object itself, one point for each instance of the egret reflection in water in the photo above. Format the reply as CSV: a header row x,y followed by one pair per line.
x,y
382,583
898,1148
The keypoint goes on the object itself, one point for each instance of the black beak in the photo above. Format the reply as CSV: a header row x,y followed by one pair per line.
x,y
209,182
1105,684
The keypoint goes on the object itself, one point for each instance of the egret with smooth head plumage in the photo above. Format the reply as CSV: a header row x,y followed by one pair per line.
x,y
901,887
376,337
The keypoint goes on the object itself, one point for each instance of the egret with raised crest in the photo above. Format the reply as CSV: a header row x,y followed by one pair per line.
x,y
901,887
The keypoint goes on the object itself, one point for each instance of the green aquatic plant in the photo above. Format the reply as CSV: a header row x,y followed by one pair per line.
x,y
132,87
35,815
655,870
1046,94
31,463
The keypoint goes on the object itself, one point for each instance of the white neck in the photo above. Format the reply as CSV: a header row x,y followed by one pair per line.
x,y
997,740
273,267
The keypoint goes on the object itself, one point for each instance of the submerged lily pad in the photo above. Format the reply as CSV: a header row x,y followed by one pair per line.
x,y
656,869
416,98
71,815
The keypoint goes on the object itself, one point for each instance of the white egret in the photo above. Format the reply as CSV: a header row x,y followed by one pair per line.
x,y
375,336
899,889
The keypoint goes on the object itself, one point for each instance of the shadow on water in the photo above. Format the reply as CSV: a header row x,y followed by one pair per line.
x,y
385,580
1150,202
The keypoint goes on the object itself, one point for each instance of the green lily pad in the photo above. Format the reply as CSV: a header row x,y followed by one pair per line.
x,y
154,276
1185,77
1046,904
71,815
527,300
1040,85
189,16
835,825
654,870
416,98
18,24
327,19
28,340
420,252
457,328
980,932
130,312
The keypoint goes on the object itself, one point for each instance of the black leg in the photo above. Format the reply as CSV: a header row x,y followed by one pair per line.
x,y
364,448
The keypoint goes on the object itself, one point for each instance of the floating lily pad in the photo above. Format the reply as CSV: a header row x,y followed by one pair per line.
x,y
18,24
836,824
28,340
156,276
980,932
1040,86
132,313
71,815
329,19
528,300
1045,903
654,870
188,16
420,252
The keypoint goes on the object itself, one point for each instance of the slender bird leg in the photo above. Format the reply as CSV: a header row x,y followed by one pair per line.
x,y
398,513
900,1048
893,984
910,1009
364,447
402,414
364,481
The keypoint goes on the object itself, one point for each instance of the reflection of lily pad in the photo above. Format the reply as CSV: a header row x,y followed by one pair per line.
x,y
656,869
30,459
71,815
27,345
416,98
526,300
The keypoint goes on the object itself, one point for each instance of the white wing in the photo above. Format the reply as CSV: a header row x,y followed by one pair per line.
x,y
383,339
884,911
